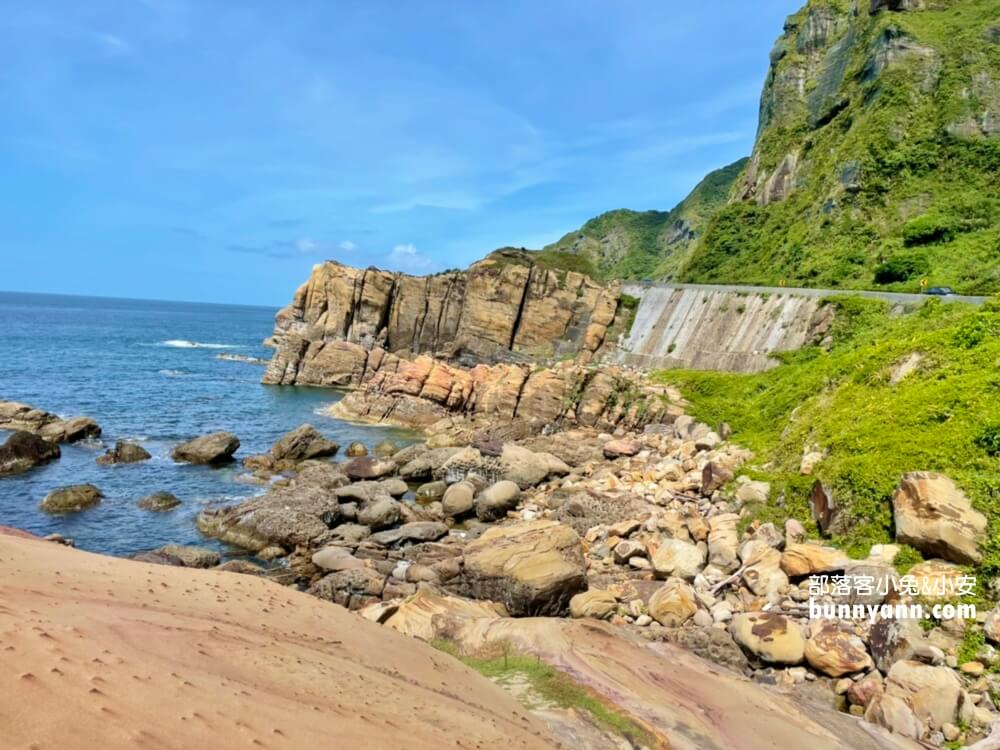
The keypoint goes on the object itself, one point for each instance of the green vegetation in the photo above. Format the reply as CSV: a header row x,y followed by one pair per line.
x,y
895,177
649,244
875,165
548,686
853,401
556,260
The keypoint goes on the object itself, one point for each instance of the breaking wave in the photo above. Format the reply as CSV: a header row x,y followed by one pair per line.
x,y
185,344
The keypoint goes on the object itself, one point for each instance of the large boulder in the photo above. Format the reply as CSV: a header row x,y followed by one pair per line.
x,y
216,448
380,513
334,559
533,568
71,499
71,430
673,603
621,448
124,452
713,477
415,532
675,557
773,638
834,651
288,517
937,518
809,559
459,499
366,491
528,468
369,467
301,444
762,571
353,588
596,604
23,451
421,464
723,541
494,502
917,698
17,416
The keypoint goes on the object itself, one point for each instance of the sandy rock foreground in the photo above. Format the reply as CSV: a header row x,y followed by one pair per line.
x,y
99,652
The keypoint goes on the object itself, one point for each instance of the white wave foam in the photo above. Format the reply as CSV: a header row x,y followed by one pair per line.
x,y
185,344
173,373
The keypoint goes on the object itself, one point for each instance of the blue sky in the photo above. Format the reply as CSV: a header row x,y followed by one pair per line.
x,y
215,150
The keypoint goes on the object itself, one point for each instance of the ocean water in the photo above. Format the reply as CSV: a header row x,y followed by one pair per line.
x,y
147,371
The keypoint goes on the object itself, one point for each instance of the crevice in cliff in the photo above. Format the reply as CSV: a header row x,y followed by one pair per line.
x,y
357,289
386,313
520,393
418,328
520,309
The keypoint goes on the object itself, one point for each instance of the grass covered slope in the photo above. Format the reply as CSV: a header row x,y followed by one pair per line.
x,y
943,416
877,155
628,244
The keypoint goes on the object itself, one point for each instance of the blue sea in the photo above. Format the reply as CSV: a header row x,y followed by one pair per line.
x,y
147,371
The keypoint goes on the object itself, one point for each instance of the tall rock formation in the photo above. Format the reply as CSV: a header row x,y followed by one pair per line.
x,y
506,307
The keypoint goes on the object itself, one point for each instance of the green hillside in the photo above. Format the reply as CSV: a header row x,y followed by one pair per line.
x,y
650,244
878,154
876,163
892,394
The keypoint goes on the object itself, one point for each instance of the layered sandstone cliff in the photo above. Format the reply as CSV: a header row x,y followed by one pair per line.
x,y
421,391
503,308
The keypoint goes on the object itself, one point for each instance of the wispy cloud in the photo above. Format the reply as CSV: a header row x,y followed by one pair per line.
x,y
114,45
408,258
289,248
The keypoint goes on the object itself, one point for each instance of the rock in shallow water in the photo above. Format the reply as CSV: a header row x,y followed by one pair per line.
x,y
124,452
216,448
159,502
23,451
71,499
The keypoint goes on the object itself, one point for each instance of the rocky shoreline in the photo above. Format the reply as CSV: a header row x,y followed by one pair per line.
x,y
556,502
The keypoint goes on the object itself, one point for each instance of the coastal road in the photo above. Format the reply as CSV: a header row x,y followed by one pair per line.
x,y
637,290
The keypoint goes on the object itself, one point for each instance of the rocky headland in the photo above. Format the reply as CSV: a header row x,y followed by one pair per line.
x,y
503,308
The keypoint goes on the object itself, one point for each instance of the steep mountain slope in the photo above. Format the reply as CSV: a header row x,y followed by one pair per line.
x,y
650,244
877,154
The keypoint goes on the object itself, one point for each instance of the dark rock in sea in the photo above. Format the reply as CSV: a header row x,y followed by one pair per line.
x,y
159,502
124,453
216,448
71,499
23,451
71,430
18,416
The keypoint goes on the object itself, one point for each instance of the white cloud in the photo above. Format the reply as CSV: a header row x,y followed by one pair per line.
x,y
347,246
408,258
